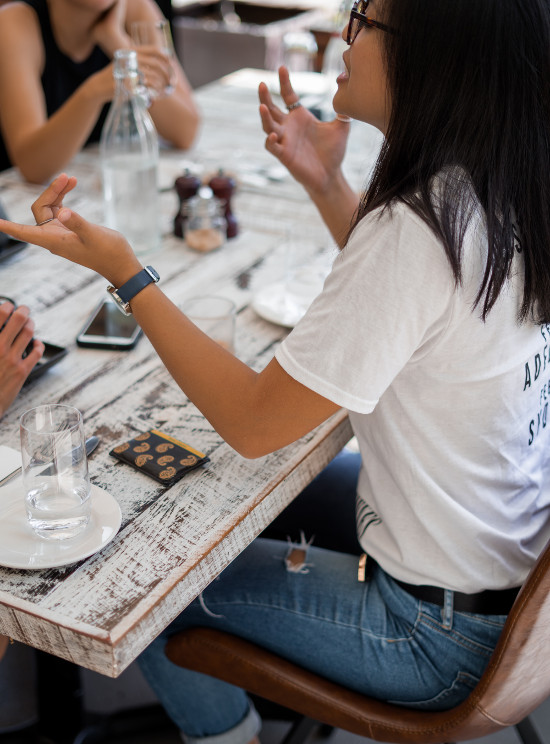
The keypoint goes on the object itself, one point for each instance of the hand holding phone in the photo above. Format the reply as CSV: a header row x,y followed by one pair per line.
x,y
30,345
108,328
50,356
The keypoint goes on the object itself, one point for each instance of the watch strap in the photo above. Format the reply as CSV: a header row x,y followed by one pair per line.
x,y
129,289
139,281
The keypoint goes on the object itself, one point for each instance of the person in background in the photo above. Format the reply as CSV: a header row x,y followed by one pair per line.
x,y
16,329
432,329
16,332
56,79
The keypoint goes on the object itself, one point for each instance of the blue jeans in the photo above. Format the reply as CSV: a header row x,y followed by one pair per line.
x,y
372,637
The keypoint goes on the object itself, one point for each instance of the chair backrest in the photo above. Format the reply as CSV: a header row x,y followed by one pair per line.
x,y
517,678
516,681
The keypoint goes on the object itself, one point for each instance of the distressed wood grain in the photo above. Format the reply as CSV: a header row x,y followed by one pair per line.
x,y
102,612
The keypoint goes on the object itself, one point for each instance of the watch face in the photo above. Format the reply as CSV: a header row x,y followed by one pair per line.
x,y
150,270
124,307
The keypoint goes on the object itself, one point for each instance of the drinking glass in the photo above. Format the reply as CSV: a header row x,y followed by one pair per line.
x,y
55,471
215,316
299,51
155,34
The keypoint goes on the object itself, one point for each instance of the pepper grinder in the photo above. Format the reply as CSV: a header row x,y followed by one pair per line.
x,y
186,187
223,187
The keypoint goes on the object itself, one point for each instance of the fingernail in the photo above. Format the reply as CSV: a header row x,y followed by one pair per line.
x,y
63,214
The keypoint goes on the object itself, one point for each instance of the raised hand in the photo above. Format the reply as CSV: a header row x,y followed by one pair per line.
x,y
311,150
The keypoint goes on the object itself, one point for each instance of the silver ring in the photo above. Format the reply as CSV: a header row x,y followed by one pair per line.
x,y
44,222
292,106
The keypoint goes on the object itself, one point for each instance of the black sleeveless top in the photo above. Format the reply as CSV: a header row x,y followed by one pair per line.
x,y
61,76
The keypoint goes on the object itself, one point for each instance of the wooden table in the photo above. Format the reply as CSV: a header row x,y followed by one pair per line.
x,y
102,612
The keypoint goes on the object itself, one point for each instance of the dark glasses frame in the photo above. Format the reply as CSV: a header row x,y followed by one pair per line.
x,y
357,19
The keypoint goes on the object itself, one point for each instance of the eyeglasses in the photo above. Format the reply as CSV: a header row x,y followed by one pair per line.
x,y
357,19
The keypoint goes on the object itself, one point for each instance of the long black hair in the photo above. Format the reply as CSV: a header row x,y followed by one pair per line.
x,y
470,90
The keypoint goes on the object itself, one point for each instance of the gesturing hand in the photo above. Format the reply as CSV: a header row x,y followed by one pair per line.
x,y
311,150
67,234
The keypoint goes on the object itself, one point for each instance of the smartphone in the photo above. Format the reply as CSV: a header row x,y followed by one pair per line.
x,y
108,328
52,355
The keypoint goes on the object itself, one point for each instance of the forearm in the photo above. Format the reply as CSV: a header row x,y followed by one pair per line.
x,y
255,413
337,206
221,386
48,148
176,118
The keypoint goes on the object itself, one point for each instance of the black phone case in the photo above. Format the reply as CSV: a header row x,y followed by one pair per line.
x,y
107,345
52,355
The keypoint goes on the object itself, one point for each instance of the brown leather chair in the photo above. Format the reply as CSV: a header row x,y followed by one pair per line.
x,y
515,682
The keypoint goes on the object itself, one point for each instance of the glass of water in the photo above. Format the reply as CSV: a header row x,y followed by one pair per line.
x,y
215,316
155,34
55,471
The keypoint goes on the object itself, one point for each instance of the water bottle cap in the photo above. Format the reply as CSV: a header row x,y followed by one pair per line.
x,y
126,63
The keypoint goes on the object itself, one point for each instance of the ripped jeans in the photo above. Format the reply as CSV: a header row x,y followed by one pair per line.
x,y
371,637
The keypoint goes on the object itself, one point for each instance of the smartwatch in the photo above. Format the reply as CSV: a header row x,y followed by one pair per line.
x,y
130,289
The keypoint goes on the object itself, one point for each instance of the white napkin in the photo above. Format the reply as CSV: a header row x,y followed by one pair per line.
x,y
10,461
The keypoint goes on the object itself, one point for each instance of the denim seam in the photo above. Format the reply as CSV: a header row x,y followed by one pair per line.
x,y
429,620
462,677
219,605
457,638
483,619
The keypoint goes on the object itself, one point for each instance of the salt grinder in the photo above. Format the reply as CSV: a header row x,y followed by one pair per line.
x,y
223,187
186,187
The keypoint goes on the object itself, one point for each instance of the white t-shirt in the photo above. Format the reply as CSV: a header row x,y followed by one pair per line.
x,y
450,413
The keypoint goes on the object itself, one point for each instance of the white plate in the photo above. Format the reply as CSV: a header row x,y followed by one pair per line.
x,y
286,303
21,548
275,304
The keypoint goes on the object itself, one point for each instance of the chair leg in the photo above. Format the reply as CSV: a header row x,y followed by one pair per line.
x,y
527,732
325,731
300,731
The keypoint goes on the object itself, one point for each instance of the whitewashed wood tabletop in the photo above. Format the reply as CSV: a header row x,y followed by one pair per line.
x,y
103,611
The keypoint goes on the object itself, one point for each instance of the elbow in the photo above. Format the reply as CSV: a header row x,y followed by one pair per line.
x,y
32,177
251,452
31,171
189,136
186,135
252,445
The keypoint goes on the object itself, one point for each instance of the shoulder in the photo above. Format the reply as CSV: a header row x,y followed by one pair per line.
x,y
142,10
19,22
20,31
395,234
15,13
400,231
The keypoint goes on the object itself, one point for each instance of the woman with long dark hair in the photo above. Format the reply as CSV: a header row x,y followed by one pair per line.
x,y
432,329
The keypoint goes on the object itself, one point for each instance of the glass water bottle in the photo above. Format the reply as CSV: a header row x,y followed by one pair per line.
x,y
129,156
